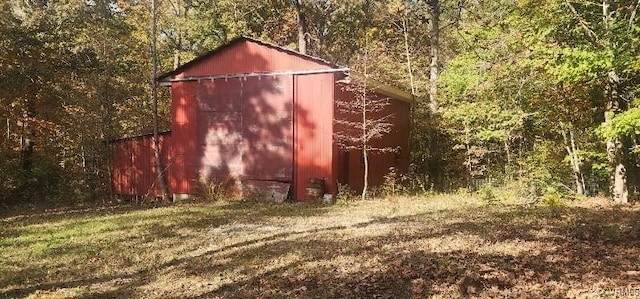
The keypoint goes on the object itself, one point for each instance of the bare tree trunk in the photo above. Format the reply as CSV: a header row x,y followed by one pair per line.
x,y
579,177
507,150
467,143
28,133
434,7
574,158
302,26
365,155
154,97
405,32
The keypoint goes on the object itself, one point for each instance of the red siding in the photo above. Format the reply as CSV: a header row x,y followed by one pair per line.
x,y
267,131
313,132
183,141
350,165
245,129
249,57
134,165
268,128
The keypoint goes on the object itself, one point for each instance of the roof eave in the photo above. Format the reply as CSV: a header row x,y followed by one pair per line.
x,y
383,88
391,91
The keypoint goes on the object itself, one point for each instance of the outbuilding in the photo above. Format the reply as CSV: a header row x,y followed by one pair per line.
x,y
261,117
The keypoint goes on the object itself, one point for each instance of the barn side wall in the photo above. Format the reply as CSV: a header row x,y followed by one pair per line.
x,y
350,165
134,166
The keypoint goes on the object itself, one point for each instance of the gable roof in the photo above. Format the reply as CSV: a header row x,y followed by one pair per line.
x,y
233,42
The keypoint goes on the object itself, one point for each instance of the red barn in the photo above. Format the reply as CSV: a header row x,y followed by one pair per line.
x,y
263,116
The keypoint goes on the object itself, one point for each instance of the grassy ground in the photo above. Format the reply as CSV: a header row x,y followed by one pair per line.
x,y
451,246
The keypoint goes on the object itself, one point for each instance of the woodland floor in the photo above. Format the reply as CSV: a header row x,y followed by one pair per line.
x,y
439,246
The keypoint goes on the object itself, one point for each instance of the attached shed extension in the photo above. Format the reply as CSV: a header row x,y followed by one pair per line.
x,y
134,169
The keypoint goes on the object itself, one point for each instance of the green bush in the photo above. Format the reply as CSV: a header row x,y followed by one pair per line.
x,y
345,195
45,183
552,196
488,194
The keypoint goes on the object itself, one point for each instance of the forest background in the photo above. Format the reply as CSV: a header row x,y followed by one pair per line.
x,y
538,95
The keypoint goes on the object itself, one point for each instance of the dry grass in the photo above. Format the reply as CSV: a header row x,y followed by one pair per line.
x,y
443,246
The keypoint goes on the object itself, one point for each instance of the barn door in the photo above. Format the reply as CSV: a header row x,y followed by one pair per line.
x,y
268,128
219,130
245,130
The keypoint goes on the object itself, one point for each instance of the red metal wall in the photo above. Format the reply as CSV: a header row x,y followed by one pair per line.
x,y
267,112
259,129
183,141
246,56
134,165
244,127
313,131
350,167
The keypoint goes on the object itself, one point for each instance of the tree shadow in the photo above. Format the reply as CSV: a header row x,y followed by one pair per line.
x,y
570,261
555,252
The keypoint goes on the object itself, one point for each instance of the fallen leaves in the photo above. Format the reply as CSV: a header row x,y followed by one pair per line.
x,y
376,249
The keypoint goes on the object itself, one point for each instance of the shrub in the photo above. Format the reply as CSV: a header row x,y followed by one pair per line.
x,y
44,184
488,194
216,190
390,184
345,195
552,196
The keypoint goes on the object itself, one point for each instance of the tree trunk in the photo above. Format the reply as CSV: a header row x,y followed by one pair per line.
x,y
365,186
28,133
507,151
579,177
154,97
365,155
405,33
572,151
8,131
302,26
615,152
434,7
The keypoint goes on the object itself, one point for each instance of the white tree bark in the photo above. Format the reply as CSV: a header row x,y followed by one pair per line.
x,y
434,7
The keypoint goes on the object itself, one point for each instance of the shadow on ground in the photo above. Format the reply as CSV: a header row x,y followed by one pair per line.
x,y
512,251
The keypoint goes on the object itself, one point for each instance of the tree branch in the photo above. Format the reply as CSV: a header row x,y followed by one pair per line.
x,y
582,22
633,14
